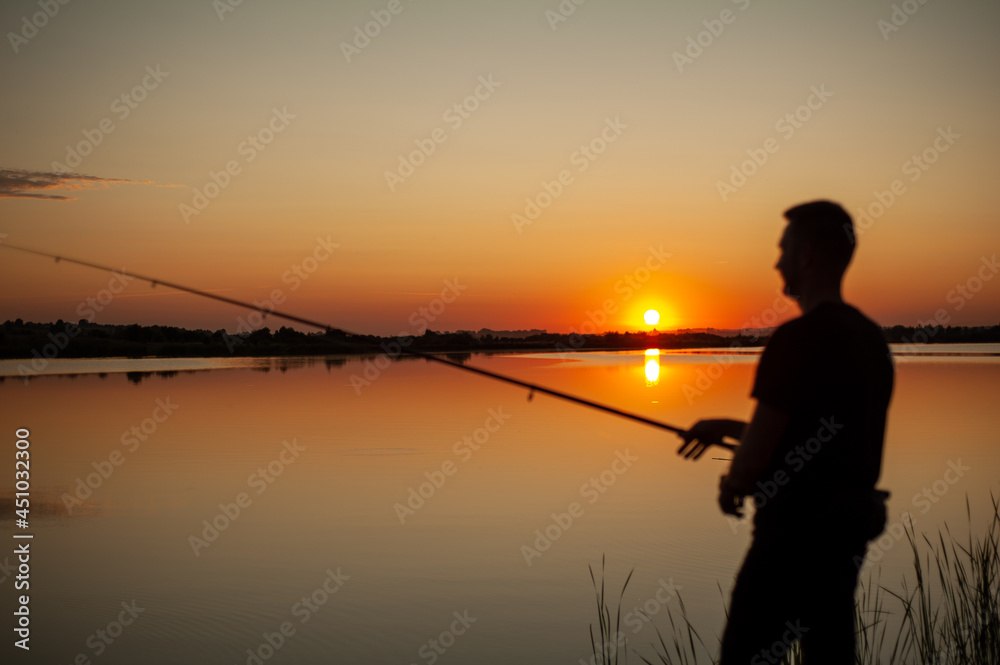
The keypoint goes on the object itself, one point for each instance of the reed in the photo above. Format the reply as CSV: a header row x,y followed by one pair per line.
x,y
612,642
948,612
952,614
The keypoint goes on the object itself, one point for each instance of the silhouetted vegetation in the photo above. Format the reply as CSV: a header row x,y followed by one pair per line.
x,y
949,610
942,334
62,339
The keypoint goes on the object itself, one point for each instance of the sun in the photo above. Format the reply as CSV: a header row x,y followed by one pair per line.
x,y
651,317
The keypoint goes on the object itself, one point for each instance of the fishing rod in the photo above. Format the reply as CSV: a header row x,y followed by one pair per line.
x,y
532,387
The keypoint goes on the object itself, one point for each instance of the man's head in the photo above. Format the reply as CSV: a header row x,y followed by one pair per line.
x,y
816,246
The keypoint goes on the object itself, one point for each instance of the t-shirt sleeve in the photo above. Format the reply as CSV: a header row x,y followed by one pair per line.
x,y
779,382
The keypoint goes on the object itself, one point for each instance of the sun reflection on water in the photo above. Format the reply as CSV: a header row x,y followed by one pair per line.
x,y
652,367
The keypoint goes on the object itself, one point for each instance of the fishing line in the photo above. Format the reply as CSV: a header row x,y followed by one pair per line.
x,y
531,387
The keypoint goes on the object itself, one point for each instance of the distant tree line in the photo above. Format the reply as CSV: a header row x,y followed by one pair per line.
x,y
19,339
942,334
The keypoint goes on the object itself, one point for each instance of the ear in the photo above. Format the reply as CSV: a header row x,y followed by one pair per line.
x,y
806,256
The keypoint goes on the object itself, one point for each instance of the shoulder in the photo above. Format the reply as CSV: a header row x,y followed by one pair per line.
x,y
861,328
840,320
790,333
785,348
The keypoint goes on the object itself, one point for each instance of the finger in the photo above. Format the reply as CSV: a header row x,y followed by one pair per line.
x,y
704,446
689,446
696,450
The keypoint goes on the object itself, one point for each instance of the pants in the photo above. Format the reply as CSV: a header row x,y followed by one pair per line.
x,y
795,584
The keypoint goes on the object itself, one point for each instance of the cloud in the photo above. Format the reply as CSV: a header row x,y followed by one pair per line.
x,y
20,184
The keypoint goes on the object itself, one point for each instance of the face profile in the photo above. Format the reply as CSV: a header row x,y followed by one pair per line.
x,y
786,265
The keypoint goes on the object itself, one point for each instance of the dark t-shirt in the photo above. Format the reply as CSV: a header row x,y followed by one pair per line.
x,y
830,370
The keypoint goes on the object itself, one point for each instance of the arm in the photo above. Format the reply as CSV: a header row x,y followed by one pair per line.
x,y
752,457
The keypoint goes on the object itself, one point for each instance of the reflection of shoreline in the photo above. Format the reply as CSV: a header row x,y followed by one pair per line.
x,y
71,368
138,369
42,504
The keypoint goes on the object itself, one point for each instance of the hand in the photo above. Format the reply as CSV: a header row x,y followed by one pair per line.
x,y
707,433
730,501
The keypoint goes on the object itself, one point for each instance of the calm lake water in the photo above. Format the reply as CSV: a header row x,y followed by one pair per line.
x,y
426,516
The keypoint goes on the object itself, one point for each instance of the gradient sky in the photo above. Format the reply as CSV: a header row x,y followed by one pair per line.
x,y
889,95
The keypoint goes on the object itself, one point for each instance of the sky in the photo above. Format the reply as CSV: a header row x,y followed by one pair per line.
x,y
387,166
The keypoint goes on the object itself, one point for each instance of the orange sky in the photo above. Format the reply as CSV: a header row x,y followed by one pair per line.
x,y
615,122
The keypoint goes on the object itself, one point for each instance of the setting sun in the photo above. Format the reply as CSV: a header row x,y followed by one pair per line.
x,y
651,317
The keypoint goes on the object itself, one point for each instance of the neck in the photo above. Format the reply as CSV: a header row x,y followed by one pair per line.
x,y
818,294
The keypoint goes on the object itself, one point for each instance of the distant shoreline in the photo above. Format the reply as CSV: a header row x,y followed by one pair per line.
x,y
45,341
139,369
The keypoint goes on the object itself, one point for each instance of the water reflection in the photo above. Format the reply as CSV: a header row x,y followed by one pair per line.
x,y
652,367
364,451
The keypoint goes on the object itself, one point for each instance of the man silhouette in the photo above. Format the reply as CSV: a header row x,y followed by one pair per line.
x,y
810,457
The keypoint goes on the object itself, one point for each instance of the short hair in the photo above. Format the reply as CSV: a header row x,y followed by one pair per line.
x,y
826,226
